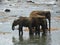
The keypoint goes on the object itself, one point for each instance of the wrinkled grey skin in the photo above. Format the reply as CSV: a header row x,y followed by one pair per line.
x,y
34,22
47,15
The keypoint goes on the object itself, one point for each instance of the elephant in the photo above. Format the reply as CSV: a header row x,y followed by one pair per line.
x,y
22,21
47,15
37,22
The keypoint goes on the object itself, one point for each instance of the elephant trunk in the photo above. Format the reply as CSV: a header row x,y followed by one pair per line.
x,y
48,16
49,25
13,26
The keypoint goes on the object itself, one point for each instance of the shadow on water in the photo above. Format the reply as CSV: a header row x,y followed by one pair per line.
x,y
32,40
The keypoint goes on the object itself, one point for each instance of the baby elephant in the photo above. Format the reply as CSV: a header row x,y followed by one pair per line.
x,y
23,21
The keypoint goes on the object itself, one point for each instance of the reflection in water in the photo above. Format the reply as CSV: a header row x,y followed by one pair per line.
x,y
46,40
33,40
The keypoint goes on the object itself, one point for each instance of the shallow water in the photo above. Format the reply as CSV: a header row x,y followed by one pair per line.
x,y
9,37
49,39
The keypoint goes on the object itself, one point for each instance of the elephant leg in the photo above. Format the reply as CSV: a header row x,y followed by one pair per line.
x,y
44,29
46,25
20,30
30,31
37,30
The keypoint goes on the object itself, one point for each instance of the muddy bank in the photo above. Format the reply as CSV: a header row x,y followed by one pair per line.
x,y
52,29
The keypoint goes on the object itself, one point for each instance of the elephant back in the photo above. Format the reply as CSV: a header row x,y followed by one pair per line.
x,y
25,21
37,14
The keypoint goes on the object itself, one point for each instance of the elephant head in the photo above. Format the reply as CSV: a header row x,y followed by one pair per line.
x,y
47,15
15,23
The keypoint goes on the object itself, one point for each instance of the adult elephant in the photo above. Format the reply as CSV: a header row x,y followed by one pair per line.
x,y
47,15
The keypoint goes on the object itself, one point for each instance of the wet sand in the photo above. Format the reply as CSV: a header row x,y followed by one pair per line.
x,y
5,33
27,30
58,17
